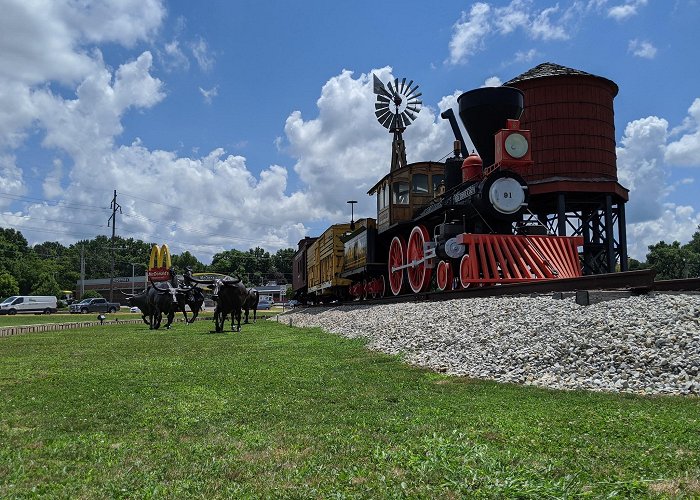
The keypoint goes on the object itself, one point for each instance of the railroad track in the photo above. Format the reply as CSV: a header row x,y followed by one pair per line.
x,y
636,282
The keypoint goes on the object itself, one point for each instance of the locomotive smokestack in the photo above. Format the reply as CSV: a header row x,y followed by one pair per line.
x,y
484,112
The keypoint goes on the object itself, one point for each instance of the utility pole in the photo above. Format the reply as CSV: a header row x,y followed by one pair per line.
x,y
82,271
113,220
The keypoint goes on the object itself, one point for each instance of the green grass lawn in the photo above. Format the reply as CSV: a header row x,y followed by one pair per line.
x,y
275,411
65,317
60,317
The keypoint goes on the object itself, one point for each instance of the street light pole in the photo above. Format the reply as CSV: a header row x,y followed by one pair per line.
x,y
352,214
133,265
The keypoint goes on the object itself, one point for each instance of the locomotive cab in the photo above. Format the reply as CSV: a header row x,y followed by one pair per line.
x,y
404,190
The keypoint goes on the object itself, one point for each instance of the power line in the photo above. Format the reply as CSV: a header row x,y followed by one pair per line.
x,y
50,203
31,217
144,235
64,233
200,213
197,244
187,229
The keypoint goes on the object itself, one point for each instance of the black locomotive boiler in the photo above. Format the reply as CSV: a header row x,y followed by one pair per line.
x,y
461,223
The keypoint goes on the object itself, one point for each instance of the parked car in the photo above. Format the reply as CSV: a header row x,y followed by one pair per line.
x,y
36,304
94,305
293,303
135,310
264,304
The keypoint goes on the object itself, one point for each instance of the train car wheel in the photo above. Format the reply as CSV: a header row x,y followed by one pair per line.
x,y
418,275
382,286
396,254
444,276
465,271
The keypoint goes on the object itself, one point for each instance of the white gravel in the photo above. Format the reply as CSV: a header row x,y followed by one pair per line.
x,y
647,344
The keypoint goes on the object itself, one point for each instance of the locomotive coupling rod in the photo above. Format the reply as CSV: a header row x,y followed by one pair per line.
x,y
428,256
413,263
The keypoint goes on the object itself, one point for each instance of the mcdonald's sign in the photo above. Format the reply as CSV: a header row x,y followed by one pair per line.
x,y
159,263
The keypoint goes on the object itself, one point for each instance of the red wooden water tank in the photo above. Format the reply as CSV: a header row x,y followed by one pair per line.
x,y
571,116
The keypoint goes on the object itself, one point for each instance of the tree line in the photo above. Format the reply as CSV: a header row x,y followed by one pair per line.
x,y
50,267
672,261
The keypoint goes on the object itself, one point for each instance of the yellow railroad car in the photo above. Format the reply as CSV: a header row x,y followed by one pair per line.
x,y
324,265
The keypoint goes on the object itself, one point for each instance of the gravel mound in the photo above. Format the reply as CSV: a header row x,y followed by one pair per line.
x,y
647,344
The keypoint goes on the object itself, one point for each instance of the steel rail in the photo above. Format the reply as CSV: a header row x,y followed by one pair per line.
x,y
641,281
680,285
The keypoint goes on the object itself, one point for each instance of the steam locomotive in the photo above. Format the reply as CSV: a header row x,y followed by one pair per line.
x,y
443,225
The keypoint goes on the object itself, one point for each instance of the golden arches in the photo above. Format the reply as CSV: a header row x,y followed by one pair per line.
x,y
160,257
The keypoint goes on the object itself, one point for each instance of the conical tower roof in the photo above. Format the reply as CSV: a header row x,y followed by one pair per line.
x,y
548,69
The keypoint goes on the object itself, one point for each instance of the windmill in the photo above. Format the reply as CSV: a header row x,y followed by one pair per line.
x,y
396,108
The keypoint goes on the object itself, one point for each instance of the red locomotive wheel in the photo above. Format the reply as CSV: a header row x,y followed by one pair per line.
x,y
396,260
465,271
419,274
444,276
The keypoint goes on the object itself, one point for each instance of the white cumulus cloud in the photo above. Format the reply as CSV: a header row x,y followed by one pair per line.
x,y
685,151
626,10
470,33
643,49
344,146
645,156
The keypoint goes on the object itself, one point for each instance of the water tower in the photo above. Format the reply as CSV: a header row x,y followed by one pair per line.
x,y
574,187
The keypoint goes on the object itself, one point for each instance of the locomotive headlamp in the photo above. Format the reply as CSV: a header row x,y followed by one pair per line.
x,y
513,149
516,145
507,195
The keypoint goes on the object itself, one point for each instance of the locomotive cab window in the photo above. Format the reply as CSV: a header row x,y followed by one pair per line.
x,y
420,183
400,192
437,179
382,197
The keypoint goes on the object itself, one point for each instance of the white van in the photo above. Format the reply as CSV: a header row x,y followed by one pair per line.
x,y
36,304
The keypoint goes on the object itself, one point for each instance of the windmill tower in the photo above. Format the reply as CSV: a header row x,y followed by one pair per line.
x,y
396,108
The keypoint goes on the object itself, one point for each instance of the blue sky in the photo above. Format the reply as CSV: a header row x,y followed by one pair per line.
x,y
228,124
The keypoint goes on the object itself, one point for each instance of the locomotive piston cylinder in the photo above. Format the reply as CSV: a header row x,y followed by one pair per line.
x,y
445,235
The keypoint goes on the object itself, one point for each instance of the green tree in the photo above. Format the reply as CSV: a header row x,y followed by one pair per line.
x,y
28,270
673,261
282,261
186,259
91,294
231,262
634,264
8,285
46,285
65,269
14,242
258,264
694,244
13,251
